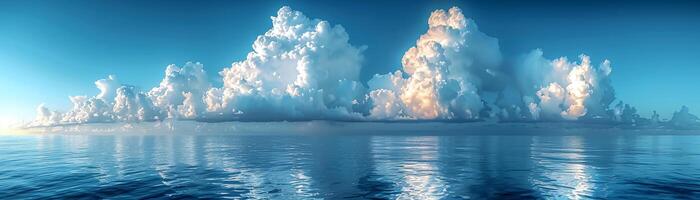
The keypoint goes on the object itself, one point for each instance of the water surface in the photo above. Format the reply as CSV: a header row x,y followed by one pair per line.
x,y
624,166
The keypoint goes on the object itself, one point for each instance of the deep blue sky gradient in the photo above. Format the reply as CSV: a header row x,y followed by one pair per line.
x,y
52,49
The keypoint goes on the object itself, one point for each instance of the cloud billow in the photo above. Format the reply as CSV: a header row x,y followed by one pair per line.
x,y
180,92
561,89
445,70
306,69
299,69
115,102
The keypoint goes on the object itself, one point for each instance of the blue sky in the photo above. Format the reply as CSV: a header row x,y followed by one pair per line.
x,y
52,49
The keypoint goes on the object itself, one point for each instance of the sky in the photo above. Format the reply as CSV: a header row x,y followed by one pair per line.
x,y
52,49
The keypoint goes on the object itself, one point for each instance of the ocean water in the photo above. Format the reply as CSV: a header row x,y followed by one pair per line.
x,y
186,166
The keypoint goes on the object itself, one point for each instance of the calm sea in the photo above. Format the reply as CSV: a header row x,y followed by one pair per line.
x,y
185,166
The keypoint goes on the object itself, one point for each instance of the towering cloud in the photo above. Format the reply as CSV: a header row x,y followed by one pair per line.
x,y
299,69
445,70
304,69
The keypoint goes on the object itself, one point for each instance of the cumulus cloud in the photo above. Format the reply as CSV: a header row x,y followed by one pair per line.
x,y
305,69
180,92
560,89
131,105
45,117
301,68
179,95
115,102
444,71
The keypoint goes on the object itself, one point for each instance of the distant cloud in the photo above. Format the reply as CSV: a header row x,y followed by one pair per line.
x,y
559,89
306,69
45,117
684,120
115,102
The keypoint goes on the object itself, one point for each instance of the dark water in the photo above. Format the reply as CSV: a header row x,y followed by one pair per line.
x,y
349,167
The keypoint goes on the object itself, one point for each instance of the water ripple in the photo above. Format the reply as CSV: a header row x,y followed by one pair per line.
x,y
349,167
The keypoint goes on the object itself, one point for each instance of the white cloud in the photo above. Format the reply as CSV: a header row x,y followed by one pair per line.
x,y
180,92
108,88
386,104
445,70
45,117
191,106
299,69
131,105
115,102
563,89
551,100
305,69
87,110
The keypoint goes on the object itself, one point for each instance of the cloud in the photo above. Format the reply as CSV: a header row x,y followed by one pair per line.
x,y
115,103
90,109
180,92
306,69
130,105
560,89
300,68
628,114
45,117
683,119
444,70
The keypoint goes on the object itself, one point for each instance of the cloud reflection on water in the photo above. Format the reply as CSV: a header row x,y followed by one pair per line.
x,y
354,167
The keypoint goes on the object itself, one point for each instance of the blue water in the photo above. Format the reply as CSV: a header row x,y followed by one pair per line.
x,y
349,167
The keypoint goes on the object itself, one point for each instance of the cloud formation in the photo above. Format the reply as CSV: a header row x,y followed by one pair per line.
x,y
306,69
299,69
444,70
180,92
683,119
560,89
115,102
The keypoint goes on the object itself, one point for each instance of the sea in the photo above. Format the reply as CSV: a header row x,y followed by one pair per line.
x,y
586,164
